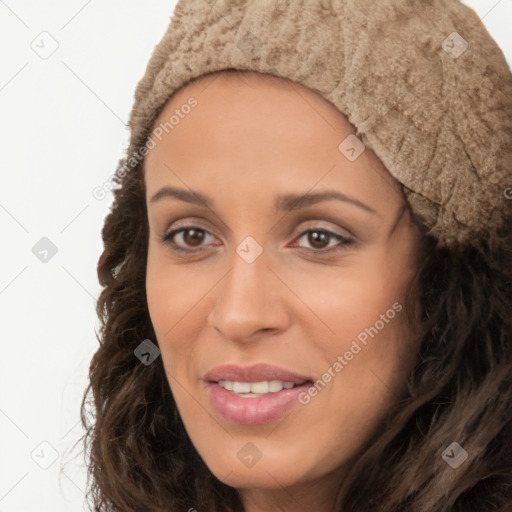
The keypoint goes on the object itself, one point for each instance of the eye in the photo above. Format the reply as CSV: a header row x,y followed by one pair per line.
x,y
319,239
190,235
191,238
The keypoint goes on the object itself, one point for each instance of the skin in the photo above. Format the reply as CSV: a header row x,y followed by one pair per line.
x,y
250,138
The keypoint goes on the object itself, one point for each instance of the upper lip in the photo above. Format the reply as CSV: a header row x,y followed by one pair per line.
x,y
254,373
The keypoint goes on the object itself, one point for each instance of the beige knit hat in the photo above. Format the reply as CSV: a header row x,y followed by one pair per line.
x,y
422,82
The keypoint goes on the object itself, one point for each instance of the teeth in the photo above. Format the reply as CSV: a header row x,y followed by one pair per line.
x,y
227,384
241,387
256,388
259,387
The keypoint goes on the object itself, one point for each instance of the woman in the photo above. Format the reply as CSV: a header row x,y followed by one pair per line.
x,y
307,267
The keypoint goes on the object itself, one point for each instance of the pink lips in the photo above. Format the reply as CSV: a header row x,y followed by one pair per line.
x,y
254,373
254,410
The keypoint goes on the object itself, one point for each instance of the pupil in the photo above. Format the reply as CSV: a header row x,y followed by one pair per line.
x,y
196,238
317,237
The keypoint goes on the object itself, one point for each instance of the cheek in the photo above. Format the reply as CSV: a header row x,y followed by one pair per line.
x,y
363,320
170,294
163,297
179,299
171,289
343,302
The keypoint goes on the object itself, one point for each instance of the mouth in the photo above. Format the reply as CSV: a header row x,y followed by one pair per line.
x,y
257,389
256,394
254,374
254,408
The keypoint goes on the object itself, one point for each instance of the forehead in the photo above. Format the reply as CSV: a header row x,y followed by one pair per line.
x,y
230,90
256,130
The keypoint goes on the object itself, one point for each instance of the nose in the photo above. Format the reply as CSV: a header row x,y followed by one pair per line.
x,y
250,300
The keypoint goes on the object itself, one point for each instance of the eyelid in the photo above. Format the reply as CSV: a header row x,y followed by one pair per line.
x,y
304,225
317,224
191,222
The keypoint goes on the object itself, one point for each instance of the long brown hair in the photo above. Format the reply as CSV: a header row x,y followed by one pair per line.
x,y
140,457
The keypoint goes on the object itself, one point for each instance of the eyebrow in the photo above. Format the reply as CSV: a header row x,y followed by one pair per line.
x,y
286,202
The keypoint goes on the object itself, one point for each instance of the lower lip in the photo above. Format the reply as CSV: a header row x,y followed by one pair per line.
x,y
255,410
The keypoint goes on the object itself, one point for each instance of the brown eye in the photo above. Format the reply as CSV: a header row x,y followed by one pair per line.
x,y
193,237
188,238
319,240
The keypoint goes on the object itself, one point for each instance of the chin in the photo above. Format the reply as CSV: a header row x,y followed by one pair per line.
x,y
264,474
251,478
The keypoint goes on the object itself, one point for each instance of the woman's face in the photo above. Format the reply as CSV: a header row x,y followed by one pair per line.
x,y
314,288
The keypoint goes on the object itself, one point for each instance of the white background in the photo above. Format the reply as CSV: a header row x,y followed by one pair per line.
x,y
63,129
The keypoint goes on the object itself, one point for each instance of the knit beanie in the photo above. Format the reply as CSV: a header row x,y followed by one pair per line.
x,y
421,81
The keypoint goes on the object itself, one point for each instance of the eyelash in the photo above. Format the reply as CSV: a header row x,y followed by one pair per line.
x,y
166,239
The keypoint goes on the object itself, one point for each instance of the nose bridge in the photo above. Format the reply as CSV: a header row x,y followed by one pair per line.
x,y
246,300
246,282
248,274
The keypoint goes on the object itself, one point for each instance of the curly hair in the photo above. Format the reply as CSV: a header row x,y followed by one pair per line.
x,y
140,457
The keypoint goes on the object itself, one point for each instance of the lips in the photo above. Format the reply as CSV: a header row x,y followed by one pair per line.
x,y
254,373
250,409
253,411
